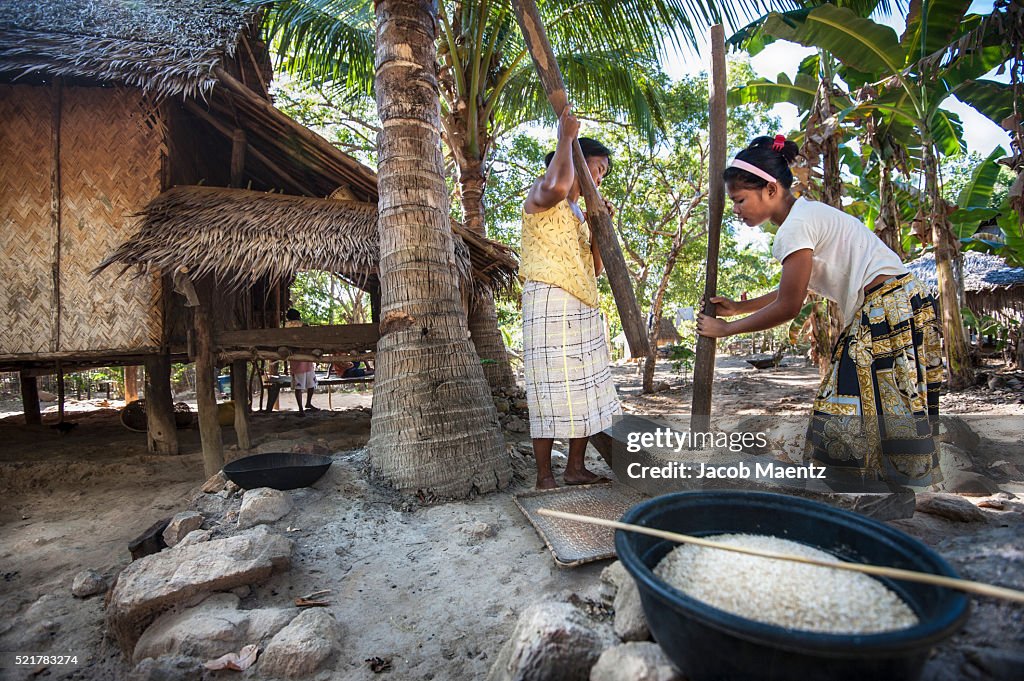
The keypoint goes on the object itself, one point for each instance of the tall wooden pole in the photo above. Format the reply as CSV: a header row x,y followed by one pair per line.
x,y
30,399
597,214
206,396
239,380
131,383
161,430
704,364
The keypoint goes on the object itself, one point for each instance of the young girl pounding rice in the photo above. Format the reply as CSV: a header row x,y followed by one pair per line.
x,y
569,387
874,413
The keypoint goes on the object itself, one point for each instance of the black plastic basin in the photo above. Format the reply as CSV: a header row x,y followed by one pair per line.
x,y
708,644
280,470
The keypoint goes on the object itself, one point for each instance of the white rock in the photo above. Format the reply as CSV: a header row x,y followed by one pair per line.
x,y
181,524
213,628
630,621
551,642
634,662
303,646
206,631
615,574
154,584
263,505
88,583
195,537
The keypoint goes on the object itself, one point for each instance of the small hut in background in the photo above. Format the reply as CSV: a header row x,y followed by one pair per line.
x,y
115,110
667,335
991,288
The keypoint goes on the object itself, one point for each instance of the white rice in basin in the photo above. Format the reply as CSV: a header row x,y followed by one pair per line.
x,y
781,592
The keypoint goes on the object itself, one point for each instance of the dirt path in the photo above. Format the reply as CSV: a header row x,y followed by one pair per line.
x,y
420,586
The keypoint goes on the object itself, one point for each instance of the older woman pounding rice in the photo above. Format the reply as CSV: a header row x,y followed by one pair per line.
x,y
568,384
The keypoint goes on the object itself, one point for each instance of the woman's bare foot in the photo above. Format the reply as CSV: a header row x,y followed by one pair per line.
x,y
583,477
547,482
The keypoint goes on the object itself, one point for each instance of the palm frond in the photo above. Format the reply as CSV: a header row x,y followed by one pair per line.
x,y
324,41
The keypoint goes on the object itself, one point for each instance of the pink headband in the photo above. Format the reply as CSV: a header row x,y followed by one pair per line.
x,y
752,169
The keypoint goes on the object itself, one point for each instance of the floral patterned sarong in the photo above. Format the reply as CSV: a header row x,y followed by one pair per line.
x,y
877,410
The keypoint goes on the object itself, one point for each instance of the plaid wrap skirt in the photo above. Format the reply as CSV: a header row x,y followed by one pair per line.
x,y
569,386
877,410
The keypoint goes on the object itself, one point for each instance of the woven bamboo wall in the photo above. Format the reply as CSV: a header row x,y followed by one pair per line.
x,y
110,168
26,238
111,144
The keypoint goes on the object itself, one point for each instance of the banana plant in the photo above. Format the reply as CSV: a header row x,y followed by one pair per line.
x,y
900,86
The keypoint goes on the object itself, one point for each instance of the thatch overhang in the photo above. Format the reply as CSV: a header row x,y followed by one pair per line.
x,y
991,287
168,47
241,237
983,272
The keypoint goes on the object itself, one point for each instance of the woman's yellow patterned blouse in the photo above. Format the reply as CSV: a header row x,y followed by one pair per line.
x,y
556,250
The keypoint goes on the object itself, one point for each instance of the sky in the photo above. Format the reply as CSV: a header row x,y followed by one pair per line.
x,y
980,134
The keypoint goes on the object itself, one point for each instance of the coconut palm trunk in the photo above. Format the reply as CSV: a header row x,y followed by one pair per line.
x,y
483,317
434,429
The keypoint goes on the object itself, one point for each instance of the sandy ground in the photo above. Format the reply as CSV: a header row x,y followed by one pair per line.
x,y
409,584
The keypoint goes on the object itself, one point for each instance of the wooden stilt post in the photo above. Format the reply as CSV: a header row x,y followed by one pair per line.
x,y
240,396
597,214
206,396
131,383
704,363
161,430
60,392
30,399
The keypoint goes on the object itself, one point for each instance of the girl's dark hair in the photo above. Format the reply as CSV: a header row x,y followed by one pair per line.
x,y
292,315
761,154
590,147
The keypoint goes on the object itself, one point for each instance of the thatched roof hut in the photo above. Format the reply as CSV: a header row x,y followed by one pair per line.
x,y
256,236
105,107
166,47
991,287
115,110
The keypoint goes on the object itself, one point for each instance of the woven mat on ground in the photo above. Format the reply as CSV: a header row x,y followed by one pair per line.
x,y
573,543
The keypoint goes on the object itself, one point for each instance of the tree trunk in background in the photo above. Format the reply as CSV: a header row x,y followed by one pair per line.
x,y
131,383
161,429
954,341
435,428
483,315
887,226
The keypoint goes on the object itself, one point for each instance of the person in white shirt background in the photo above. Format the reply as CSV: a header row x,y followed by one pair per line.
x,y
876,411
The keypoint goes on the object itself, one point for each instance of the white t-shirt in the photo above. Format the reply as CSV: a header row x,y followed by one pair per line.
x,y
847,255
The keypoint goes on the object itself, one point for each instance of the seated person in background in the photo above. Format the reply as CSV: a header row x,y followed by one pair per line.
x,y
351,369
303,372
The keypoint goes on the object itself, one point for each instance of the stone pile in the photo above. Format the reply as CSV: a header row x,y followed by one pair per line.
x,y
513,411
564,641
177,609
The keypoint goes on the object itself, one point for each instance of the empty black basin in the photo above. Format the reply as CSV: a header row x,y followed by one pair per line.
x,y
279,470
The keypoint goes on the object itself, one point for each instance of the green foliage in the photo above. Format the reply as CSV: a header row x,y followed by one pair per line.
x,y
324,298
1001,331
682,358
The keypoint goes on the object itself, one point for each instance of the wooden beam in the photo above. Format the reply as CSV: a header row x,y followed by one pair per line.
x,y
355,177
220,127
56,105
240,396
238,158
161,429
327,339
30,400
704,362
597,214
206,396
326,358
60,392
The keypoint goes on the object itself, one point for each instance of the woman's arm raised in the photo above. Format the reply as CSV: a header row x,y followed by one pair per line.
x,y
556,182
